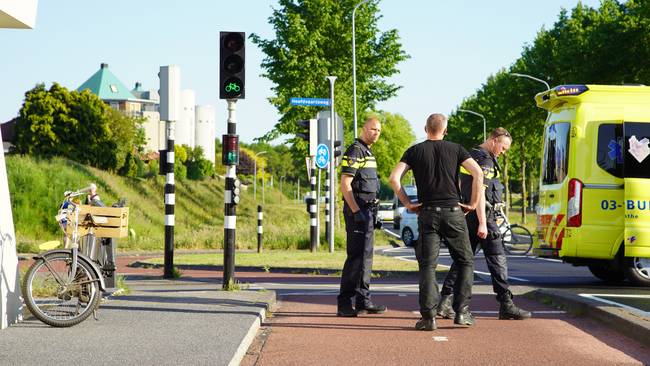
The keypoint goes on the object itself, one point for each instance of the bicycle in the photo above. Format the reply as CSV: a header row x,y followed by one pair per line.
x,y
63,287
516,239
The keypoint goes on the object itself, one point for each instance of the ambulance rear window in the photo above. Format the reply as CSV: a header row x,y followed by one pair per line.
x,y
610,153
637,149
556,153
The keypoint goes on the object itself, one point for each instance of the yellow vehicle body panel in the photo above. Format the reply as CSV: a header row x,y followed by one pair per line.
x,y
615,207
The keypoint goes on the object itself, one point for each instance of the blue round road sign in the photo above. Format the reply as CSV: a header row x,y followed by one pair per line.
x,y
322,156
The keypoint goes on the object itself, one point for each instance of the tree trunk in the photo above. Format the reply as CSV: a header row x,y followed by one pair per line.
x,y
523,184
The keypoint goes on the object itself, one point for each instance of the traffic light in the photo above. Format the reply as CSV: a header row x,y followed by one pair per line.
x,y
309,133
232,62
230,149
324,133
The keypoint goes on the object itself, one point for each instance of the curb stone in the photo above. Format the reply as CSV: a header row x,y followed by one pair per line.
x,y
635,326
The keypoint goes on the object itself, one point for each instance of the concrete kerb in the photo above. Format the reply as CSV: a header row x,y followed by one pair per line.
x,y
621,320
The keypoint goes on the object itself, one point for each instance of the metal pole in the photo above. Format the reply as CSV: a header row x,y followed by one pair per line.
x,y
313,222
260,230
354,67
255,175
332,79
263,188
230,214
255,178
169,204
484,121
548,87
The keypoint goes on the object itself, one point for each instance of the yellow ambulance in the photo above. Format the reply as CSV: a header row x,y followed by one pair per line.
x,y
594,200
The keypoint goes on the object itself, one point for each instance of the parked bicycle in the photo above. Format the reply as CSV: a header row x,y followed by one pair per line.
x,y
63,287
516,239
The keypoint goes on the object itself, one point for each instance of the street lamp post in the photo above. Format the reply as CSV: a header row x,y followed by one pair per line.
x,y
255,174
548,87
484,121
354,68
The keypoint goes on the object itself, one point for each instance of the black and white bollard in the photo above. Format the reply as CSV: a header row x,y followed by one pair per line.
x,y
260,230
313,222
170,199
328,227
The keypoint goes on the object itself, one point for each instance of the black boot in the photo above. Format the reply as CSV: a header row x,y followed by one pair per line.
x,y
428,324
508,310
464,317
346,311
371,309
445,310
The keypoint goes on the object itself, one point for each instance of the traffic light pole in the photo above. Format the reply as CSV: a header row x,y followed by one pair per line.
x,y
332,169
170,199
230,215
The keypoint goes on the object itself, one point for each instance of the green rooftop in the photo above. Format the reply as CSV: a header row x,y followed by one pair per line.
x,y
105,85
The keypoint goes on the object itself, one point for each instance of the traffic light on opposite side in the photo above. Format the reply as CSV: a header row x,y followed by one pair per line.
x,y
232,62
309,133
230,149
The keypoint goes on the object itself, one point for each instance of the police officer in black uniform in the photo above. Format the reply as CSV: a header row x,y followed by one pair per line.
x,y
486,154
359,187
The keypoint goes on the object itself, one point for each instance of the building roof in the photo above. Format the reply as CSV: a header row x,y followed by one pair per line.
x,y
105,85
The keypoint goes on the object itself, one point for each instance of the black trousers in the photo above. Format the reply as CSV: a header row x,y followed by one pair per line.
x,y
433,226
493,251
355,279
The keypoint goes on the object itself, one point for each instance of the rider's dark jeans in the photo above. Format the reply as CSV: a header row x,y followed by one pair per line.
x,y
433,225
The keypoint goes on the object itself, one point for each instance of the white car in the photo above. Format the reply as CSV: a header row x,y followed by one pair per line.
x,y
385,212
409,228
399,209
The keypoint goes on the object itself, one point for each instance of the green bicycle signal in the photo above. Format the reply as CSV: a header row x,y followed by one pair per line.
x,y
232,87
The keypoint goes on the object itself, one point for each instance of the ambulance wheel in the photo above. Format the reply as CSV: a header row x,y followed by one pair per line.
x,y
606,273
637,270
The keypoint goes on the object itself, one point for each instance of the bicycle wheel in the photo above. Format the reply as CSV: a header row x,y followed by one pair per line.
x,y
55,296
517,240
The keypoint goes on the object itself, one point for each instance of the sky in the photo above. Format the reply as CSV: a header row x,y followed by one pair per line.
x,y
454,47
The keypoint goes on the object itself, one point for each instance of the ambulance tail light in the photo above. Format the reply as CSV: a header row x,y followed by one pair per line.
x,y
574,207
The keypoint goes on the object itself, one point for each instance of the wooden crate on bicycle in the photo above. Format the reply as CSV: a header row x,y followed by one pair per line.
x,y
110,222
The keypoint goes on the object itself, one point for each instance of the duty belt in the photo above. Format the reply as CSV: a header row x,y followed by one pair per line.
x,y
439,208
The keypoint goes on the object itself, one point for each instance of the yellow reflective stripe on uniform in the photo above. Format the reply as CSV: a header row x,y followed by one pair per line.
x,y
464,171
492,174
345,163
370,164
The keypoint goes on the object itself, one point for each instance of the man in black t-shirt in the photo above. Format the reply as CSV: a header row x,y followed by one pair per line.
x,y
435,164
495,257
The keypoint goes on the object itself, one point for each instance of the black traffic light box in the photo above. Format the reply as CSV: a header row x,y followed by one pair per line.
x,y
232,62
309,133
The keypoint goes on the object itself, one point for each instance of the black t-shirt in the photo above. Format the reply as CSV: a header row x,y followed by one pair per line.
x,y
435,165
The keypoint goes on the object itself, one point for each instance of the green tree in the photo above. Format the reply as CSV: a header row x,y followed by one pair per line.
x,y
313,40
78,126
396,136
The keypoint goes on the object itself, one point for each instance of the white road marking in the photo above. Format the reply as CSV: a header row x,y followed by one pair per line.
x,y
509,277
440,339
597,297
489,312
